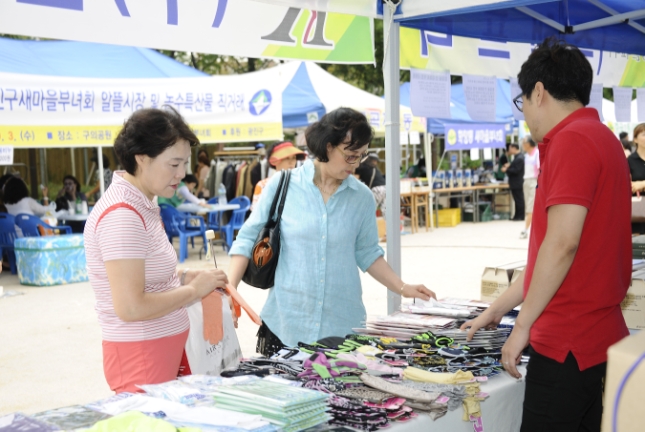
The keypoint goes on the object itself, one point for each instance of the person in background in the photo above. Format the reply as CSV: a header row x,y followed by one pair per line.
x,y
515,172
418,170
71,190
184,193
3,180
627,149
201,171
282,156
132,267
503,160
373,178
531,172
107,176
328,231
570,291
624,140
636,163
17,199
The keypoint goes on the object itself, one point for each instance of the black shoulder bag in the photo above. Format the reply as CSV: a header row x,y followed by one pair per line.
x,y
260,272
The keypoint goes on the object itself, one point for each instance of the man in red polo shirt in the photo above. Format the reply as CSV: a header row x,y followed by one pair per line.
x,y
579,261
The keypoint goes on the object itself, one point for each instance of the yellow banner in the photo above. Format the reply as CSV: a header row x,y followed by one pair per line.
x,y
85,136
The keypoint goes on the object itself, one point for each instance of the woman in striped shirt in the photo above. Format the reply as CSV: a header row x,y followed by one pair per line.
x,y
140,296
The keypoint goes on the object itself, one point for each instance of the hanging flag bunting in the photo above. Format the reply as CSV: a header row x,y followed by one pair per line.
x,y
595,99
623,104
430,93
481,97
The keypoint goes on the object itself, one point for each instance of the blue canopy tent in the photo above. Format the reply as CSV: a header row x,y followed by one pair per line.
x,y
458,112
299,99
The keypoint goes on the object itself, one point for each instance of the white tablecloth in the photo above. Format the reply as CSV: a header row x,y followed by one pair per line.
x,y
501,412
195,208
74,217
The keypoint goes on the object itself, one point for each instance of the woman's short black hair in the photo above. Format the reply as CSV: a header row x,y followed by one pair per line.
x,y
562,68
190,179
14,190
333,129
71,177
149,132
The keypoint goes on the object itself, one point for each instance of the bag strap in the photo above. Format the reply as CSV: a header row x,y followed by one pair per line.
x,y
276,197
283,196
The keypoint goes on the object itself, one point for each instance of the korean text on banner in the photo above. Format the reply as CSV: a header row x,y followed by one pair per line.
x,y
423,49
243,28
623,103
516,90
430,93
468,136
481,97
45,111
595,99
640,104
6,155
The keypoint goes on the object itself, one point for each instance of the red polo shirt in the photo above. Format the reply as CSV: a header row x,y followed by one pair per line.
x,y
583,163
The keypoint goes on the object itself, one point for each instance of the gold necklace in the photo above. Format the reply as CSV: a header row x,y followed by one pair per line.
x,y
324,191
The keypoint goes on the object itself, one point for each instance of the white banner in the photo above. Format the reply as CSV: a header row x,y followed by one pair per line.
x,y
481,97
430,93
595,99
422,49
623,104
227,27
6,155
45,111
516,91
640,101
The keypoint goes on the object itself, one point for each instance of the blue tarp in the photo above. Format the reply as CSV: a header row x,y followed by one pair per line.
x,y
458,111
505,22
88,60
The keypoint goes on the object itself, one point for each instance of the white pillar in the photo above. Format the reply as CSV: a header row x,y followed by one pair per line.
x,y
392,149
99,158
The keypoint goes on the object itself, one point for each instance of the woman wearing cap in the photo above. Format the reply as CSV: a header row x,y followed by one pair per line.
x,y
328,231
282,156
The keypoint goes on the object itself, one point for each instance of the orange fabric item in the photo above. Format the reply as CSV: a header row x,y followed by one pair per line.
x,y
155,361
213,319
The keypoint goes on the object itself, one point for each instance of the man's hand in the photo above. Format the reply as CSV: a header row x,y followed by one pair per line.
x,y
512,350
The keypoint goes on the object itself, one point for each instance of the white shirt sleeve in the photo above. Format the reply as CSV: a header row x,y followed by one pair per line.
x,y
185,193
36,208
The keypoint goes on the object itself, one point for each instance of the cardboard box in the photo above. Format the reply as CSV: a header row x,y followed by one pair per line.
x,y
496,280
634,304
380,225
621,357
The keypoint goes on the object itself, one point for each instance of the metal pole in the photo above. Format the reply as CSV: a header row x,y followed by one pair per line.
x,y
99,153
428,153
73,161
85,167
43,167
392,149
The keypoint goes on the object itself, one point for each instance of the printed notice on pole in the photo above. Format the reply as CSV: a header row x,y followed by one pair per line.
x,y
481,97
640,104
595,99
430,93
516,91
6,155
623,104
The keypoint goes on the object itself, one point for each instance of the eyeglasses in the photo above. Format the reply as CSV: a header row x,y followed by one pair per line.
x,y
518,102
352,159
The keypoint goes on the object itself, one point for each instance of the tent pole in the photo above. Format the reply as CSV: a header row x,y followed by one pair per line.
x,y
99,158
73,156
43,167
85,167
392,149
428,154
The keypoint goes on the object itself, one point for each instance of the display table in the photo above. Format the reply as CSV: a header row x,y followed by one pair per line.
x,y
476,192
212,208
73,217
501,412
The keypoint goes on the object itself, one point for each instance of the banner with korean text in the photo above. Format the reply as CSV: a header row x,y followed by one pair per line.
x,y
45,111
469,136
422,49
241,28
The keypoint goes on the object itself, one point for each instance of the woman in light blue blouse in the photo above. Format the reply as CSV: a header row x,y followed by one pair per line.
x,y
328,231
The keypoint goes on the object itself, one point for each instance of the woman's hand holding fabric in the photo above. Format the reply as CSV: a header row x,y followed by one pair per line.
x,y
206,281
417,291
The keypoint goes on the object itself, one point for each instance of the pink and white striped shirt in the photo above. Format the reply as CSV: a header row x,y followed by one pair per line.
x,y
125,224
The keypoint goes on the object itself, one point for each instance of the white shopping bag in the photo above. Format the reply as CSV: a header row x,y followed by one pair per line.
x,y
205,358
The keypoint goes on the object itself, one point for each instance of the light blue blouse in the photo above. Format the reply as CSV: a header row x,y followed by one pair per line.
x,y
317,290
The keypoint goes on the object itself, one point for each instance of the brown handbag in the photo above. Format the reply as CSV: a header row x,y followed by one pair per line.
x,y
260,272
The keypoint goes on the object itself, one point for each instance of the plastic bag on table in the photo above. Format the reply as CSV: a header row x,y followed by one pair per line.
x,y
206,358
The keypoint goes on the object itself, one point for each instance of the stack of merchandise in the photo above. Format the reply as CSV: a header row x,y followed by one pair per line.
x,y
404,325
290,408
638,247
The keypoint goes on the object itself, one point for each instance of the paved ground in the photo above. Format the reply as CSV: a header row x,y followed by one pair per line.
x,y
50,342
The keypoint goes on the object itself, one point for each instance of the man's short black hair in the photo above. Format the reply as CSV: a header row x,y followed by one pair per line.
x,y
530,141
190,179
332,129
562,68
622,135
149,132
516,146
14,190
